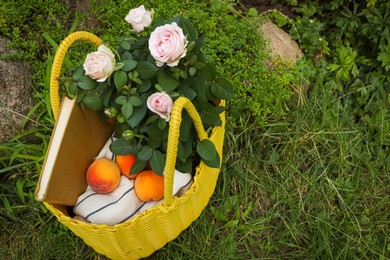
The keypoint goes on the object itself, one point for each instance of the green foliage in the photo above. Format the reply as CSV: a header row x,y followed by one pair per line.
x,y
308,32
135,79
384,57
311,184
25,21
36,28
232,43
357,63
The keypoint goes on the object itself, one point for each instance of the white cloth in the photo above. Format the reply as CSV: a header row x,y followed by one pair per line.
x,y
121,204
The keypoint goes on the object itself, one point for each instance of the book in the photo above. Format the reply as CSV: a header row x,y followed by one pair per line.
x,y
77,138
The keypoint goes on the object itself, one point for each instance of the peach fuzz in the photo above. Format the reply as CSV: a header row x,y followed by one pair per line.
x,y
103,175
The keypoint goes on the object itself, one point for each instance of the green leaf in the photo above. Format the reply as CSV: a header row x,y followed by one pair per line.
x,y
188,28
333,67
206,150
187,92
210,72
174,95
80,97
137,116
138,166
102,85
145,154
146,70
185,127
151,119
158,88
78,73
183,74
154,142
212,164
19,189
184,150
132,91
73,88
129,65
133,75
120,79
167,83
156,135
162,123
193,59
200,90
144,86
157,162
199,43
86,83
157,23
190,46
184,166
118,66
222,89
209,93
210,116
253,12
192,71
121,100
127,56
7,206
135,101
199,65
384,57
122,146
93,101
125,45
137,80
127,109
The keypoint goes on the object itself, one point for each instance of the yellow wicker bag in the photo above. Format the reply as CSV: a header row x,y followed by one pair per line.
x,y
151,230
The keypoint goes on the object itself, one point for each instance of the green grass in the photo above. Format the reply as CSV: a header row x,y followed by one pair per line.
x,y
308,182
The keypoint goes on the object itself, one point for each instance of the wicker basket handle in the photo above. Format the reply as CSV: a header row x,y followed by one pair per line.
x,y
173,141
58,61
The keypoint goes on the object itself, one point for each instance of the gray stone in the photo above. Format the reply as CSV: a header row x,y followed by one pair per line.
x,y
16,95
280,43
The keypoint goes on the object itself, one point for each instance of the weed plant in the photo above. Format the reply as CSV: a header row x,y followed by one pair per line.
x,y
298,181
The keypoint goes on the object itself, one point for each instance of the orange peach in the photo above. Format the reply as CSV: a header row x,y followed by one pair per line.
x,y
149,186
125,163
103,175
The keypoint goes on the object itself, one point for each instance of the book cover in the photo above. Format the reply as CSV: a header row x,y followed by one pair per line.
x,y
77,138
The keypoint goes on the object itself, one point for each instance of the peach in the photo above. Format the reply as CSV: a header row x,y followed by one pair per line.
x,y
149,186
103,175
125,163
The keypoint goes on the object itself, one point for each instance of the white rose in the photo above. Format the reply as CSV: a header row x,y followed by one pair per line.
x,y
139,18
167,44
99,65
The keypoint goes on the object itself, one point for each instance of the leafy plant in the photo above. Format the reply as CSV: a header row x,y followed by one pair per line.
x,y
125,97
384,57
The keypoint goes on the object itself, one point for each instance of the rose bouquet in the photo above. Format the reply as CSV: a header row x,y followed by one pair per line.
x,y
136,85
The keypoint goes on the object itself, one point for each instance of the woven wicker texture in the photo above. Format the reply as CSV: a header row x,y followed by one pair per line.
x,y
151,230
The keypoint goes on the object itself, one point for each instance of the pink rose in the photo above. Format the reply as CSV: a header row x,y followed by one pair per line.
x,y
161,104
99,65
139,18
167,44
